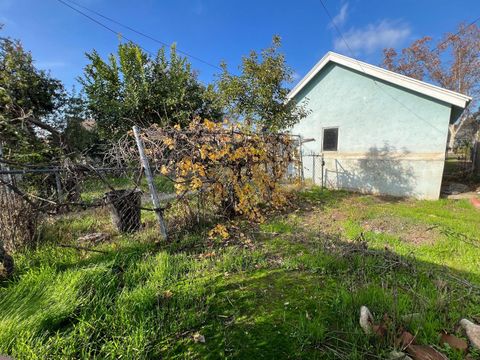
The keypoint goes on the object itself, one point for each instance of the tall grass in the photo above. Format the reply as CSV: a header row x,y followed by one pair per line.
x,y
296,294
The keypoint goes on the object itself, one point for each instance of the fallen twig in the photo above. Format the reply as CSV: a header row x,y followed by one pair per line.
x,y
82,248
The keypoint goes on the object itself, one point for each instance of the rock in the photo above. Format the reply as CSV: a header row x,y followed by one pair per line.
x,y
472,331
198,338
456,188
405,339
366,320
454,342
424,352
398,355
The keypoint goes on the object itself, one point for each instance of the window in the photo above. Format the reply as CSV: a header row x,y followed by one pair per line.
x,y
330,139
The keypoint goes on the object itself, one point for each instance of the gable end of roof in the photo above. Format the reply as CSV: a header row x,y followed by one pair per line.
x,y
436,92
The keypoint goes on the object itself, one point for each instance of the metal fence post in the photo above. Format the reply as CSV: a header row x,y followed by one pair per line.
x,y
3,167
58,184
302,176
313,168
151,185
476,157
323,170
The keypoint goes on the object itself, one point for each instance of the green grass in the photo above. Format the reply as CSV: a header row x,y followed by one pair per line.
x,y
295,294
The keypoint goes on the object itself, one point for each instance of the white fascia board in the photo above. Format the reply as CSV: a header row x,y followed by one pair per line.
x,y
436,92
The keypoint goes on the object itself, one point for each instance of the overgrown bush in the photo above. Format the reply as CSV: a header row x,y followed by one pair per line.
x,y
18,220
237,169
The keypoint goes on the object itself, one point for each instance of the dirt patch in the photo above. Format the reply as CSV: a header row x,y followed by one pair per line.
x,y
404,229
331,221
328,222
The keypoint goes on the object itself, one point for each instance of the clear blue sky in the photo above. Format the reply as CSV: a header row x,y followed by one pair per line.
x,y
216,30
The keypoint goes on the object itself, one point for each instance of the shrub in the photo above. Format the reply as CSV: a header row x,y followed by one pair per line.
x,y
236,168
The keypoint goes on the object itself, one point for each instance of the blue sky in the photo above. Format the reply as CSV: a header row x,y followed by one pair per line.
x,y
217,30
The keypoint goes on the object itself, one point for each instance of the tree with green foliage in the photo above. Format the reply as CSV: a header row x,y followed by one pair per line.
x,y
258,95
133,87
30,100
80,128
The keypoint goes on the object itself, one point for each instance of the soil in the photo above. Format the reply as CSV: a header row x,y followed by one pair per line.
x,y
329,222
407,231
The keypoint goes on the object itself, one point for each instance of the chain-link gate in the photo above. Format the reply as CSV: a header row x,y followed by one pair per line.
x,y
313,166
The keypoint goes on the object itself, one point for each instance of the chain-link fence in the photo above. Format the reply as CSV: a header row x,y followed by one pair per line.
x,y
462,162
313,168
18,220
200,170
28,194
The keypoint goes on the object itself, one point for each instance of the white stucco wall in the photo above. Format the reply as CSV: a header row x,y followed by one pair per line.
x,y
391,140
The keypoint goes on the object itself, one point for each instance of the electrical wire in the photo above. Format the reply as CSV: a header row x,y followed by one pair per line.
x,y
352,54
112,30
457,33
104,26
143,34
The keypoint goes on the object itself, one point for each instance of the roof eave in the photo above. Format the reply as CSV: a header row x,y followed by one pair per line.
x,y
421,87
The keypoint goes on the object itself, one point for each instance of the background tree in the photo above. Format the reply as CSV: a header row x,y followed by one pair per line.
x,y
80,128
454,63
30,131
29,102
258,95
131,88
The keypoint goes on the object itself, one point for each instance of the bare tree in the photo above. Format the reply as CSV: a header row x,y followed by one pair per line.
x,y
454,64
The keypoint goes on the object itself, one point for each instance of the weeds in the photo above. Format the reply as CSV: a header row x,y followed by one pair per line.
x,y
295,294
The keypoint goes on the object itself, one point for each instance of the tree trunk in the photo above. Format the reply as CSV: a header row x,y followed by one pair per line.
x,y
452,133
125,209
6,264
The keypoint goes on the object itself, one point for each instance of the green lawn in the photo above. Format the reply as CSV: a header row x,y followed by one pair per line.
x,y
289,288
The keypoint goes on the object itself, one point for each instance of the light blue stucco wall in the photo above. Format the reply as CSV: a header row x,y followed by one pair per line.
x,y
391,140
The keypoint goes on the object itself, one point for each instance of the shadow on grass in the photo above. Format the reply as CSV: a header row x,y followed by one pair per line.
x,y
307,306
299,299
301,304
324,198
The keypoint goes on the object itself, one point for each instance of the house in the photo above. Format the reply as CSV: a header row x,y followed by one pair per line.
x,y
378,131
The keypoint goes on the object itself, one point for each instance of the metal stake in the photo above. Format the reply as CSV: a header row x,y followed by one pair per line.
x,y
151,185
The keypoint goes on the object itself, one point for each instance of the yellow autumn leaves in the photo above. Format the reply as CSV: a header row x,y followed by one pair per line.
x,y
230,163
219,230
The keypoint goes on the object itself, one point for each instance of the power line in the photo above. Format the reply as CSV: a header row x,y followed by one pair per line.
x,y
113,31
104,26
352,54
143,34
339,33
457,33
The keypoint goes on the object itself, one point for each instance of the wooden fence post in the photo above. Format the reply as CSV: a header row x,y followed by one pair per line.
x,y
151,185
